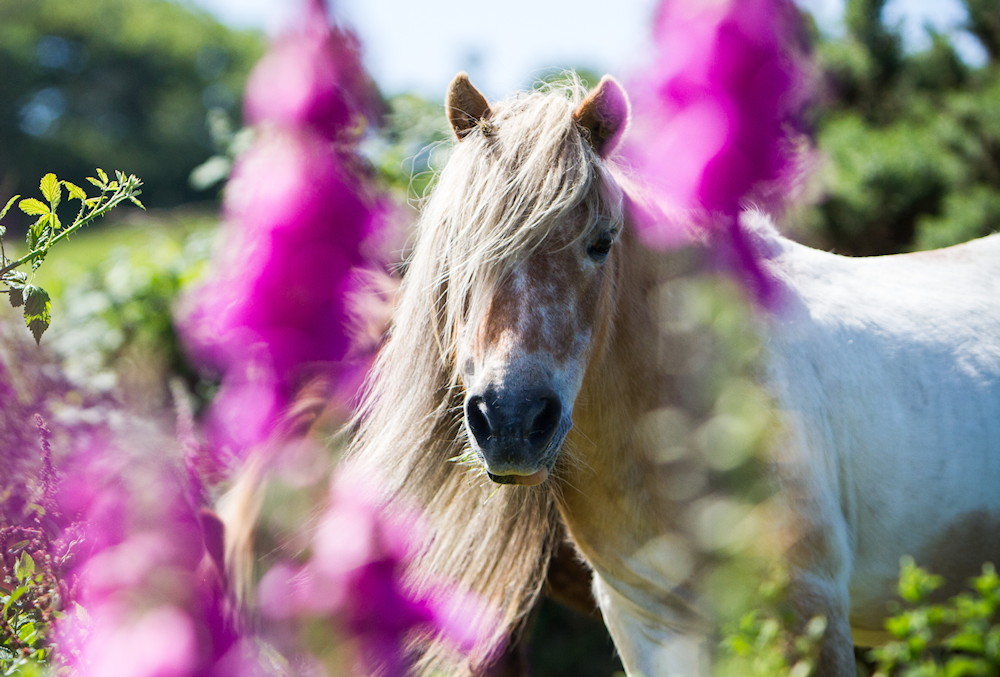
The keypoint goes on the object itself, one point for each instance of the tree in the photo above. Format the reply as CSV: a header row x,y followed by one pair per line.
x,y
122,83
911,141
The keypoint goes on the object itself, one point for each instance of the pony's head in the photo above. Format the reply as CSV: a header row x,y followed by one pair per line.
x,y
530,219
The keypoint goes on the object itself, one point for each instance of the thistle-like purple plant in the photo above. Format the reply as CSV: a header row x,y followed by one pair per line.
x,y
713,116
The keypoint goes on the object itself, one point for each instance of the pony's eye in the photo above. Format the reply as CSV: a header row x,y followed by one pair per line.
x,y
599,248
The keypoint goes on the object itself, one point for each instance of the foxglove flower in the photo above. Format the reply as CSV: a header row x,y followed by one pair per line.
x,y
354,581
297,212
713,114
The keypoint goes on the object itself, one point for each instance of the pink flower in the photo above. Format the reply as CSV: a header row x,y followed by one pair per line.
x,y
713,115
159,642
311,78
354,580
298,210
145,583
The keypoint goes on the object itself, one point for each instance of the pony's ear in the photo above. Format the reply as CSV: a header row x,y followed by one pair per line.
x,y
466,106
604,115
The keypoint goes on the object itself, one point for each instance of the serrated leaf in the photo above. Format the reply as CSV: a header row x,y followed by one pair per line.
x,y
50,189
38,229
27,633
103,175
32,237
75,192
10,203
16,297
37,311
136,202
96,182
15,595
33,207
24,567
37,327
54,221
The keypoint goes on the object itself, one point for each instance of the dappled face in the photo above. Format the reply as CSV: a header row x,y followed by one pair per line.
x,y
524,346
524,359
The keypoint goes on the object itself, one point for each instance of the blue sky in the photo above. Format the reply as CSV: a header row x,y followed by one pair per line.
x,y
419,46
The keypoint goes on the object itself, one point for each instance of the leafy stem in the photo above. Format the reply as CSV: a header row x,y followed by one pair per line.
x,y
47,230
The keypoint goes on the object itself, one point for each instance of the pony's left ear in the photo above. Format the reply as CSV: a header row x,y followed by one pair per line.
x,y
604,115
466,106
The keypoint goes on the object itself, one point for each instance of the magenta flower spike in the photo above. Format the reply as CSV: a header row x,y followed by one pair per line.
x,y
712,119
297,212
145,589
354,581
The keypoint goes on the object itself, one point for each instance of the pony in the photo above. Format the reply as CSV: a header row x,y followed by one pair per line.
x,y
515,398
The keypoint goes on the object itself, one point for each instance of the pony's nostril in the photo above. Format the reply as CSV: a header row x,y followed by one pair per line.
x,y
476,419
543,425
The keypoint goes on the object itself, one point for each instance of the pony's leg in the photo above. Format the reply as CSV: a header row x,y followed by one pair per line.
x,y
813,596
648,644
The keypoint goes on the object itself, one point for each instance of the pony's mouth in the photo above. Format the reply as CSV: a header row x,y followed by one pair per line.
x,y
531,480
532,467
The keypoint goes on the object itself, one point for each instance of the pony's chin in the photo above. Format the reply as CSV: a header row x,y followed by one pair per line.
x,y
531,480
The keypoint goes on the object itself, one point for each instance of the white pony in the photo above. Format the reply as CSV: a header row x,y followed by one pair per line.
x,y
526,341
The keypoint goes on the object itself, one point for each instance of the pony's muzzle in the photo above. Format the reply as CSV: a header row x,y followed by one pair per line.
x,y
513,432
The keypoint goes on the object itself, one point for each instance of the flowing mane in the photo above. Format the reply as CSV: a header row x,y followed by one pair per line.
x,y
530,166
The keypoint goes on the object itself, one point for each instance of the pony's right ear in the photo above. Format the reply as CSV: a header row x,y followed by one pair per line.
x,y
466,106
604,115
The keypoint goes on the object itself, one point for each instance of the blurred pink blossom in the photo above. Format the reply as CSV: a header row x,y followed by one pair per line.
x,y
713,116
311,77
355,581
146,590
159,642
298,210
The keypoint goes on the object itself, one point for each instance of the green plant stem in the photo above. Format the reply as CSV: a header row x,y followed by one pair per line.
x,y
97,213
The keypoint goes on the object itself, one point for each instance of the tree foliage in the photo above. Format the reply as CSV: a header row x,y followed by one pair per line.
x,y
124,83
910,139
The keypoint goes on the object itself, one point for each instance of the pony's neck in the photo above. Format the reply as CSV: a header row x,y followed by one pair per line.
x,y
610,499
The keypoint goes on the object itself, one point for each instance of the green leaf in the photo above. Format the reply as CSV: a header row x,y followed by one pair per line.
x,y
136,202
37,311
27,633
24,567
50,189
96,182
75,192
10,203
40,232
915,584
15,595
103,176
33,207
15,282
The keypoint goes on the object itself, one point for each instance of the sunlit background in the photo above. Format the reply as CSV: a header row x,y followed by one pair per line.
x,y
900,152
418,46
